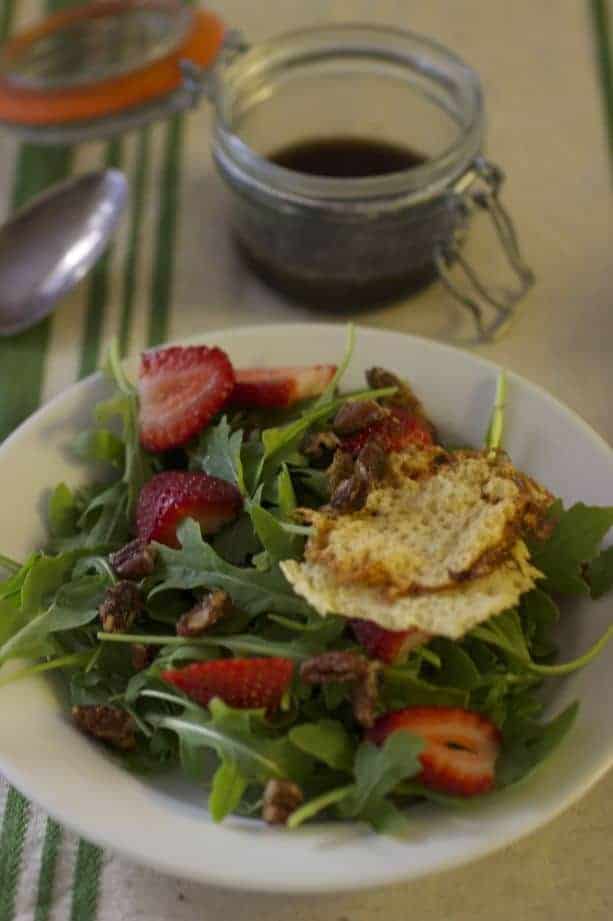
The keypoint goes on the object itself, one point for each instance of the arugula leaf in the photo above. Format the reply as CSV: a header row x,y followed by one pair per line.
x,y
237,542
44,577
73,660
231,734
327,741
456,669
505,632
286,497
575,541
11,619
100,446
278,542
526,744
63,512
196,564
229,785
378,770
137,465
403,688
539,614
218,453
600,573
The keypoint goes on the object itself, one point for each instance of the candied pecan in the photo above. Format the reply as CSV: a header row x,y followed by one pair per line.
x,y
142,656
378,378
111,724
203,615
134,561
356,415
340,469
371,461
350,494
333,666
122,604
318,446
281,798
366,695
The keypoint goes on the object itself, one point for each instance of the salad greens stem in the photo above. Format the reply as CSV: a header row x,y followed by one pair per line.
x,y
566,668
318,804
303,529
73,660
8,564
495,431
330,390
238,643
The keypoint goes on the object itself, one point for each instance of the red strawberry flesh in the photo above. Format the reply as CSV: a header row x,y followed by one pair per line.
x,y
169,498
180,390
389,646
398,430
270,388
461,746
242,683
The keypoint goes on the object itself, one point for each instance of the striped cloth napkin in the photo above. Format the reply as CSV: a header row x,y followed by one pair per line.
x,y
42,866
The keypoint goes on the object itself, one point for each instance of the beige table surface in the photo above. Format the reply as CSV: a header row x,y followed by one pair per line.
x,y
545,125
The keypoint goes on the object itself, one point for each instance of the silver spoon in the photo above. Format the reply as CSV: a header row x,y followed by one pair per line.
x,y
48,246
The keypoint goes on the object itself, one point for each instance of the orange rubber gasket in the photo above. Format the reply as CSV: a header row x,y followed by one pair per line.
x,y
107,97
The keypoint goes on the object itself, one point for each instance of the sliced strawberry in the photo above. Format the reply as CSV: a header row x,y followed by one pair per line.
x,y
248,684
180,391
168,498
461,746
269,388
398,430
390,646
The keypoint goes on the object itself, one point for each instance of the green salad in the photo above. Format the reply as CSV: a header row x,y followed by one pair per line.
x,y
160,600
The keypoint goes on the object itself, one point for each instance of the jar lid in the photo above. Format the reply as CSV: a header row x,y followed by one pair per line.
x,y
105,67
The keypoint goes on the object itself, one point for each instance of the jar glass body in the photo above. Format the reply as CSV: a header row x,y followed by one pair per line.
x,y
346,241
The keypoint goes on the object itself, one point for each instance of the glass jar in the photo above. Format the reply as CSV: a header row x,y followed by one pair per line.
x,y
350,242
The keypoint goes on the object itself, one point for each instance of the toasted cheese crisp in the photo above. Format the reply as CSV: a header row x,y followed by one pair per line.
x,y
437,521
451,612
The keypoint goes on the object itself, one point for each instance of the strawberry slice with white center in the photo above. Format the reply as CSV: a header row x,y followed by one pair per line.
x,y
461,746
171,497
276,388
247,684
180,390
389,646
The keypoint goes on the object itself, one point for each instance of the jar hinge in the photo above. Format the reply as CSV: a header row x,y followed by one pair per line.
x,y
478,189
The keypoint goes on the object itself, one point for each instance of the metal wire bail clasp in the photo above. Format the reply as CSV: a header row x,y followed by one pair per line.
x,y
198,82
478,190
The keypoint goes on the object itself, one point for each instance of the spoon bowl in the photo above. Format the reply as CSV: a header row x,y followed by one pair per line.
x,y
50,245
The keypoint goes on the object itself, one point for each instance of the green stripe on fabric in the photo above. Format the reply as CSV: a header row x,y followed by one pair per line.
x,y
139,182
98,290
163,258
6,18
603,39
86,882
22,357
14,828
46,878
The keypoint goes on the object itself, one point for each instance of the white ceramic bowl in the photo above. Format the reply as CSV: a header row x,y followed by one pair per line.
x,y
166,825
